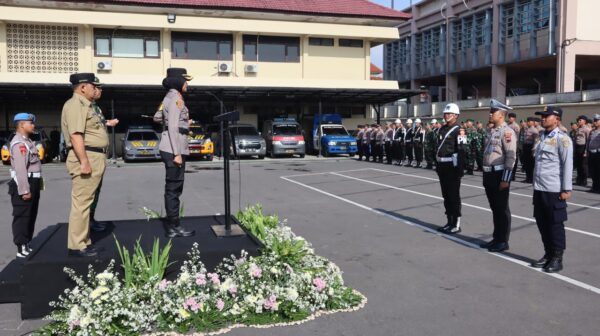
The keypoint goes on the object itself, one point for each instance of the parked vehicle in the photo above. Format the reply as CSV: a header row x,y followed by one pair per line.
x,y
140,143
200,143
41,141
284,136
331,137
247,141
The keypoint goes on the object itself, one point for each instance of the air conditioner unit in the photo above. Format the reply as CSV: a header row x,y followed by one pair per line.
x,y
104,65
225,67
251,68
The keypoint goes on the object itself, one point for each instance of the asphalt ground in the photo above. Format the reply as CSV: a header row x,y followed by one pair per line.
x,y
377,222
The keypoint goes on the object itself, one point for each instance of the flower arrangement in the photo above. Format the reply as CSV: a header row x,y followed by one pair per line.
x,y
288,283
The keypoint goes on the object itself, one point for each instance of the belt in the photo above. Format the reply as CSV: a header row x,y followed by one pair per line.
x,y
13,174
489,169
444,159
181,130
93,149
594,151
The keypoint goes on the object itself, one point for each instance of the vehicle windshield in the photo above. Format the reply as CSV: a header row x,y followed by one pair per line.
x,y
334,130
141,136
286,129
244,131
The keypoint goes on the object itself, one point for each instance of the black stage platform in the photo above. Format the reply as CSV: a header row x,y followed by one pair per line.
x,y
41,278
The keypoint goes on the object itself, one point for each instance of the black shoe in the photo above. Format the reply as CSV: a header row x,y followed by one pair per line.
x,y
22,251
429,166
97,226
28,247
173,229
455,225
554,265
542,262
498,247
89,251
469,172
488,244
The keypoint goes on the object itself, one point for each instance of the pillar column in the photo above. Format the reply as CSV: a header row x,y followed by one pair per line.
x,y
568,71
238,54
499,82
452,85
3,48
166,49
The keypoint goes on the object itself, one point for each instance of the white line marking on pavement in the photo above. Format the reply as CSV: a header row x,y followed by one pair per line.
x,y
325,173
452,238
528,219
478,187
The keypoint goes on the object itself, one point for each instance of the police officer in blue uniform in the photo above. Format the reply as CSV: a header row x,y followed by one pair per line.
x,y
552,184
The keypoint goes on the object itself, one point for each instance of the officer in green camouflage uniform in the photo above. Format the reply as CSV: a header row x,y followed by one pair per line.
x,y
470,151
429,145
479,141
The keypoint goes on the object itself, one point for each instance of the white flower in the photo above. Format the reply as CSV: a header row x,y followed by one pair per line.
x,y
184,277
274,270
105,276
85,321
226,285
74,313
292,294
98,291
251,299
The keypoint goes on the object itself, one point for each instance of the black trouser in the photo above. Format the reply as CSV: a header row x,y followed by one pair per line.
x,y
378,152
450,177
173,184
528,161
401,152
418,146
550,214
580,163
360,149
594,163
373,150
366,150
388,151
408,150
498,200
24,212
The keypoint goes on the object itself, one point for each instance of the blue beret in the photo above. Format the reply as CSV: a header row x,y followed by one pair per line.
x,y
24,116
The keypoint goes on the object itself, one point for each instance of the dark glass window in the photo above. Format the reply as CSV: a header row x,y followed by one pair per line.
x,y
351,43
127,43
320,41
271,48
202,46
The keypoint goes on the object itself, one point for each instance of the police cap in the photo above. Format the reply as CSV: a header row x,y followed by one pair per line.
x,y
496,105
82,78
583,117
531,118
551,110
596,117
512,115
176,72
24,116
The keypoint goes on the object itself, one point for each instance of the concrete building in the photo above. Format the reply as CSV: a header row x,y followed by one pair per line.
x,y
465,50
264,58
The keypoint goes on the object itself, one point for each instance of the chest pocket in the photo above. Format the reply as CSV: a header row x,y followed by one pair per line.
x,y
92,120
185,114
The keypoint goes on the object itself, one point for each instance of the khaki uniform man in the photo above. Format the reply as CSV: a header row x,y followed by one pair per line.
x,y
87,140
499,156
26,183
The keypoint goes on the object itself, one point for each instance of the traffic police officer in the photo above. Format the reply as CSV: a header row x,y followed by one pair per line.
x,y
26,183
379,141
173,146
359,138
408,142
373,141
580,157
398,142
389,138
419,139
512,123
500,153
450,161
552,186
87,140
594,155
366,142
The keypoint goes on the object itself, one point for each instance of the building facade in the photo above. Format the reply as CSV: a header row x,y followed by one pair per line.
x,y
462,50
265,59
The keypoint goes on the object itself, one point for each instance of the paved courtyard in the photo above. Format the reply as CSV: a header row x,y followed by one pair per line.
x,y
377,222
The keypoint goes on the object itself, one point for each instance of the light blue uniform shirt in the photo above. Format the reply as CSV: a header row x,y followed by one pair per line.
x,y
553,162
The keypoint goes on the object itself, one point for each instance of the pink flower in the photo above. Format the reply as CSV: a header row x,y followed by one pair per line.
x,y
320,284
191,304
73,324
233,290
255,271
240,261
200,279
271,303
220,304
214,278
162,286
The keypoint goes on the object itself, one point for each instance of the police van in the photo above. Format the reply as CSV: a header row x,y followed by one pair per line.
x,y
284,136
331,137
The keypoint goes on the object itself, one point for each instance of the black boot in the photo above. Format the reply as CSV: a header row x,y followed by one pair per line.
x,y
173,229
542,262
455,226
448,225
429,166
94,224
555,264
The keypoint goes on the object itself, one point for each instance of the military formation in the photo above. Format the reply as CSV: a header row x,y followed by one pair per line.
x,y
547,151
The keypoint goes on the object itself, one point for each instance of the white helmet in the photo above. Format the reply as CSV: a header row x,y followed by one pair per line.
x,y
434,121
418,120
409,121
452,108
398,121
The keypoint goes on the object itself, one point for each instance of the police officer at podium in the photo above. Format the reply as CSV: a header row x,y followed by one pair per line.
x,y
175,118
499,155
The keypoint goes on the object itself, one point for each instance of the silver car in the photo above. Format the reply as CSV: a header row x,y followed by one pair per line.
x,y
247,141
140,143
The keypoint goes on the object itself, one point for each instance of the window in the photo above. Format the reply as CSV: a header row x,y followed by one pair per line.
x,y
271,48
202,46
320,41
351,43
127,43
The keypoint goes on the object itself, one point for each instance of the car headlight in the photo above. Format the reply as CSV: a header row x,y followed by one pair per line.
x,y
207,141
127,148
353,143
331,143
277,143
301,142
243,142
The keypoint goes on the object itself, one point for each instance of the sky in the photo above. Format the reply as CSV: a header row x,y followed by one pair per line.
x,y
377,52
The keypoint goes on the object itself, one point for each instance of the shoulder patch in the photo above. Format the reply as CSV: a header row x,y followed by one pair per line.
x,y
508,136
179,103
565,141
22,149
161,107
